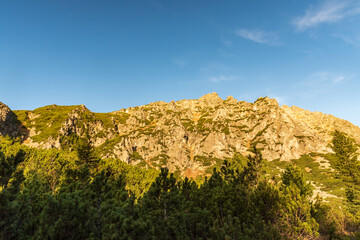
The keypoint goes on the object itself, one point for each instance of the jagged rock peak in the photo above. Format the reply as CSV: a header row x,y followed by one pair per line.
x,y
4,109
80,108
231,100
211,98
267,100
83,108
4,106
9,125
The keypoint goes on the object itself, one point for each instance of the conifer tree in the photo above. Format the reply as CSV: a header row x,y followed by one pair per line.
x,y
347,163
296,221
85,152
346,152
10,180
8,167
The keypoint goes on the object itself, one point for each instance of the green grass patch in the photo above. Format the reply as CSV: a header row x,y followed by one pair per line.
x,y
49,121
326,178
160,160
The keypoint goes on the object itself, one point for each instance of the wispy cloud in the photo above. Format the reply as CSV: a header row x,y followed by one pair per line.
x,y
349,38
320,83
222,78
179,63
338,79
325,78
226,42
258,36
328,12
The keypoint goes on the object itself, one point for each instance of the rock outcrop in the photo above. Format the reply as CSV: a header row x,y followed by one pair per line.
x,y
9,124
188,136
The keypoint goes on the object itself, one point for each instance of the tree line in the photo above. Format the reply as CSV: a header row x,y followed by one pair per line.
x,y
57,195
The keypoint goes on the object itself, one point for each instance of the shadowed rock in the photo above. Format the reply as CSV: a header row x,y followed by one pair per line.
x,y
9,124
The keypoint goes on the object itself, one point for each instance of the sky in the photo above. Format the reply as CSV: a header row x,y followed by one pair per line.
x,y
113,54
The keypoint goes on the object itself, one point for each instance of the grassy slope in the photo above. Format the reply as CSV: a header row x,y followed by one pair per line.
x,y
47,121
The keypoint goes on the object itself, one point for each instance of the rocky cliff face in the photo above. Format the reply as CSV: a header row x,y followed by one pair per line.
x,y
188,136
9,124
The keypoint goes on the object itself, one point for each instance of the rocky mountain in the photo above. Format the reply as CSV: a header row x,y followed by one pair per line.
x,y
9,124
188,136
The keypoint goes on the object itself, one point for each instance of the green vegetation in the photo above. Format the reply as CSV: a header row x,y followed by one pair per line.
x,y
22,115
206,161
251,129
159,160
241,127
57,194
98,202
47,121
148,130
109,119
135,156
110,144
325,178
347,163
225,130
339,177
203,125
262,131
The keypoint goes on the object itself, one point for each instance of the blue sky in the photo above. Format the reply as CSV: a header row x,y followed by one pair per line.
x,y
110,55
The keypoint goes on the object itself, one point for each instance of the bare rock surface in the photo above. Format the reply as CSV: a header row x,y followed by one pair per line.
x,y
186,136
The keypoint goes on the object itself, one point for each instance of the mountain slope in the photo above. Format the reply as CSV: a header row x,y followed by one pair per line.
x,y
188,136
9,124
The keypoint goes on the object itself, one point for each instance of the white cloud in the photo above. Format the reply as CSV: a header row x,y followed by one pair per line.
x,y
222,78
258,36
328,12
338,79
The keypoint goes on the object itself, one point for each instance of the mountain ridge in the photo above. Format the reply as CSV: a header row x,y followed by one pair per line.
x,y
187,136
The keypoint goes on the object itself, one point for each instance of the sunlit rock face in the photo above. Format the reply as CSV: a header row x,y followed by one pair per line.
x,y
188,136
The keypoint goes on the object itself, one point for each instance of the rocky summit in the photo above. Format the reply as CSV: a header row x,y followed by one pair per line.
x,y
188,136
9,124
